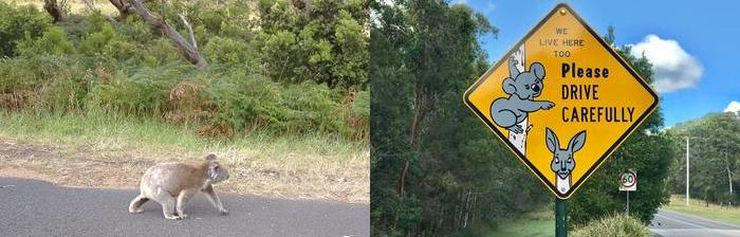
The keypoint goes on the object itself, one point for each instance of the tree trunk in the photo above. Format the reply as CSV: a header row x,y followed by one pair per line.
x,y
186,49
520,140
124,8
53,9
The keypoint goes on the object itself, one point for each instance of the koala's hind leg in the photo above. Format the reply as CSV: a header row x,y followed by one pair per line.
x,y
135,206
168,203
211,194
507,119
182,199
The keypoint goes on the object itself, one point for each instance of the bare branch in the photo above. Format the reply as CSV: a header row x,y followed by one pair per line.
x,y
190,30
188,51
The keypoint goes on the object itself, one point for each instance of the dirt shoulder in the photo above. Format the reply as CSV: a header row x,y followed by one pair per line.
x,y
94,166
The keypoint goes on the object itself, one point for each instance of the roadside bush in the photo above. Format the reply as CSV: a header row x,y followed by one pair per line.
x,y
618,225
19,23
310,107
143,93
233,53
53,41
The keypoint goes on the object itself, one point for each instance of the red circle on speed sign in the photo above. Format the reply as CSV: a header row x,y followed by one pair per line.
x,y
628,179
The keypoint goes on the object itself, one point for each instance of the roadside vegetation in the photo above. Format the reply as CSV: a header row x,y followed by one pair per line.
x,y
532,224
280,91
618,225
714,154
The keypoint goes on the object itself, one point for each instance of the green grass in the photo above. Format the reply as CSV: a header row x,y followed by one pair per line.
x,y
151,133
536,224
697,207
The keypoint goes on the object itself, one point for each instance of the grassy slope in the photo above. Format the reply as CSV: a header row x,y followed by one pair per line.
x,y
114,151
698,208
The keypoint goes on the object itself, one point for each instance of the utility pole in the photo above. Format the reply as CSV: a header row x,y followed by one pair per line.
x,y
687,170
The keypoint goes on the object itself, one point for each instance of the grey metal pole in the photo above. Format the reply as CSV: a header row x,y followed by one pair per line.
x,y
687,171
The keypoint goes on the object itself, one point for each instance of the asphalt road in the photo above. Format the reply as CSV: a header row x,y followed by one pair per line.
x,y
37,208
674,224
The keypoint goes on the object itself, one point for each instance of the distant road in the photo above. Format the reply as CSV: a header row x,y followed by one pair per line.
x,y
674,224
37,208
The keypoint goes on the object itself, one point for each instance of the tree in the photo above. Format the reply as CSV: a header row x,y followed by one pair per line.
x,y
435,171
52,7
321,41
188,49
714,146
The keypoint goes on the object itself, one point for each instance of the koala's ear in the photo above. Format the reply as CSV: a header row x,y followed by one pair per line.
x,y
576,143
538,70
509,86
211,157
552,140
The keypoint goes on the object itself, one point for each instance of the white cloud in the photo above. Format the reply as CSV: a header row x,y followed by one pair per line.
x,y
459,2
673,68
734,106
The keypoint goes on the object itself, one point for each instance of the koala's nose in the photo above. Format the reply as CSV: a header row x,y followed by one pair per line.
x,y
536,88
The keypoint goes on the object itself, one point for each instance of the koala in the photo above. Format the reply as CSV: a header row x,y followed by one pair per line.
x,y
522,88
172,184
563,162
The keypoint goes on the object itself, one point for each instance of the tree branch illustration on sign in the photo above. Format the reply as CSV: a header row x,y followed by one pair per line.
x,y
522,87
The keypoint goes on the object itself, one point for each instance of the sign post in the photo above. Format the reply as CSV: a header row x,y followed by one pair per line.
x,y
628,181
562,100
561,213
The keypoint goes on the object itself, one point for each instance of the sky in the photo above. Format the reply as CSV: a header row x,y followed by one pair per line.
x,y
694,45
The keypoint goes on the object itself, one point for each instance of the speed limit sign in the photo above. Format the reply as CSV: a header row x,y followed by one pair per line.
x,y
628,181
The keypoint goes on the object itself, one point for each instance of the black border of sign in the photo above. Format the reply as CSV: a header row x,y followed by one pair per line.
x,y
611,149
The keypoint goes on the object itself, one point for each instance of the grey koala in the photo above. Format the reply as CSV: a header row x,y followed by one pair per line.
x,y
173,184
522,88
563,163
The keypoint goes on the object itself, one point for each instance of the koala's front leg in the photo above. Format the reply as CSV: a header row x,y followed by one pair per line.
x,y
211,194
544,104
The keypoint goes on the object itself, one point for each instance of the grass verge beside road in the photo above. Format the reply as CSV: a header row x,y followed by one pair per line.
x,y
95,150
535,224
730,215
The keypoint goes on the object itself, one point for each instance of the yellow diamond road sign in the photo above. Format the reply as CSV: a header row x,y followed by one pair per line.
x,y
562,100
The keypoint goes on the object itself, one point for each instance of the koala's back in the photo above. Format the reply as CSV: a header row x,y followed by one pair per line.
x,y
174,177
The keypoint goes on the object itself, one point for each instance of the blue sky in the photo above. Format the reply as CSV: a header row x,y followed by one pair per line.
x,y
695,45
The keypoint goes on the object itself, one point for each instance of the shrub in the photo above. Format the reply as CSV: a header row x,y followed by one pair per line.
x,y
19,23
143,93
234,53
53,41
618,225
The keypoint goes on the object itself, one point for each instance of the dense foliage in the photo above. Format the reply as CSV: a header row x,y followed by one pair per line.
x,y
714,154
435,171
88,63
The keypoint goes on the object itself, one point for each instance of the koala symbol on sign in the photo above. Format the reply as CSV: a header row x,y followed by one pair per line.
x,y
522,88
